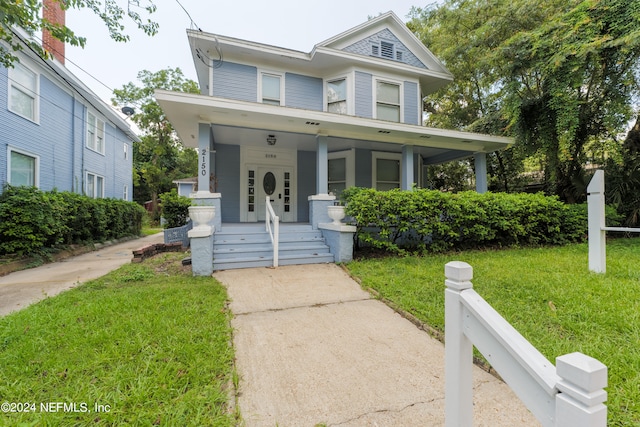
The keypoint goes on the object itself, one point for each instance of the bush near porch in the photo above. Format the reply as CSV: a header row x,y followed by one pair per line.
x,y
32,221
434,221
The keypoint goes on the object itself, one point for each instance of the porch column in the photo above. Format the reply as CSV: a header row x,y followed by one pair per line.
x,y
322,165
407,167
482,185
204,158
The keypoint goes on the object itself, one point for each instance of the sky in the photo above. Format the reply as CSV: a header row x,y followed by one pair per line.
x,y
294,24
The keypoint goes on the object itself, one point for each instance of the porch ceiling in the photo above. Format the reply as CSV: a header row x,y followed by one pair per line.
x,y
298,128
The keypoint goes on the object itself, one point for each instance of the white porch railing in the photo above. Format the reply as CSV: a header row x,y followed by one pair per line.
x,y
597,225
570,394
274,233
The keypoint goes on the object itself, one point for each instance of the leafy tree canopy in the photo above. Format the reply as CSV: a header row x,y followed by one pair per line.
x,y
27,15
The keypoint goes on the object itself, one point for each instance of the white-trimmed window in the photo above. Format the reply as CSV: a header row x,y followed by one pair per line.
x,y
337,96
94,186
22,168
126,151
95,133
23,92
341,171
125,192
271,88
388,101
386,170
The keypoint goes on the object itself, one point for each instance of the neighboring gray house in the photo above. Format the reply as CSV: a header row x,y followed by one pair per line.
x,y
297,126
57,134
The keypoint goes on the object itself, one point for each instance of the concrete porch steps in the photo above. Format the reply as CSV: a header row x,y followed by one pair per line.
x,y
249,245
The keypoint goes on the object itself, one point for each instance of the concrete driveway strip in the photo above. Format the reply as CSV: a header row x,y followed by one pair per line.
x,y
313,347
22,288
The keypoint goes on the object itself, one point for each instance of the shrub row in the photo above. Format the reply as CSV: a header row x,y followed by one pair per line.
x,y
433,221
32,220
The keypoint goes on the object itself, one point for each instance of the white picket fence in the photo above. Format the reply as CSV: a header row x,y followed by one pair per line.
x,y
569,394
597,225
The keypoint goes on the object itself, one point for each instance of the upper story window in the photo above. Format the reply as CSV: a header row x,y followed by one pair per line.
x,y
95,133
23,92
387,50
271,89
337,96
22,168
387,101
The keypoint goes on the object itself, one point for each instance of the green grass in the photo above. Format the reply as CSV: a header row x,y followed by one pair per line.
x,y
148,340
548,295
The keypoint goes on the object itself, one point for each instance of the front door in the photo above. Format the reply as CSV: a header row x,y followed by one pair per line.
x,y
273,182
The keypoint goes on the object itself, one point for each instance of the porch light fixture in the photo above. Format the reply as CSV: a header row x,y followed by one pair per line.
x,y
271,139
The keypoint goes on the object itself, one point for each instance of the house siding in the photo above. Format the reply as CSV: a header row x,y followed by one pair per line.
x,y
411,107
363,47
303,92
306,182
227,170
236,81
58,140
364,95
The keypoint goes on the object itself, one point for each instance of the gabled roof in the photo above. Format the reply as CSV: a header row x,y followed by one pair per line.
x,y
330,56
391,22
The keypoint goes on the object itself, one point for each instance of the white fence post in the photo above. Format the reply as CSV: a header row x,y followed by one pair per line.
x,y
580,402
597,233
458,348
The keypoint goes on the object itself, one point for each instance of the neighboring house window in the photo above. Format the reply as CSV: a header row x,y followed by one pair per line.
x,y
337,96
95,186
387,101
95,133
386,171
23,91
22,168
125,192
271,89
126,151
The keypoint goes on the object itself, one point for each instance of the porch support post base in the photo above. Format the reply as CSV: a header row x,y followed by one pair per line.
x,y
201,253
318,209
339,238
205,198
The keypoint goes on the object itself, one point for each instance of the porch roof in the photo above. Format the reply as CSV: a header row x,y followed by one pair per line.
x,y
186,111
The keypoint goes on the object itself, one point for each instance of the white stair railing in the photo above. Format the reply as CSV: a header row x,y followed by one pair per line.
x,y
569,394
273,228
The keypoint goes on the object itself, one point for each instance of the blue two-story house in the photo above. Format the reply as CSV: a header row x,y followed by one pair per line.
x,y
55,133
299,126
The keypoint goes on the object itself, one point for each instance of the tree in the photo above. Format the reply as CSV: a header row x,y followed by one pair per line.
x,y
27,15
557,75
160,157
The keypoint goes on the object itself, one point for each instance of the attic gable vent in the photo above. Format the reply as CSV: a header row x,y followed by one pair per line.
x,y
398,56
375,50
386,50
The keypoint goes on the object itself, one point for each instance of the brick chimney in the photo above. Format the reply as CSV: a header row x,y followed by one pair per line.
x,y
52,11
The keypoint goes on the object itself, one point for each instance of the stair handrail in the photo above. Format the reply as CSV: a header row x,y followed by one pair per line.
x,y
274,233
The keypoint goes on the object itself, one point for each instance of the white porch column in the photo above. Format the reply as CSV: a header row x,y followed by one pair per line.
x,y
407,167
482,183
322,165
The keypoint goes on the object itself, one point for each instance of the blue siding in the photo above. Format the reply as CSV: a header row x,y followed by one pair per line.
x,y
363,47
227,169
58,140
303,92
363,168
306,182
364,95
411,107
236,81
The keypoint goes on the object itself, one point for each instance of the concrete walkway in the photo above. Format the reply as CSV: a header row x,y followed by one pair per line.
x,y
19,289
313,348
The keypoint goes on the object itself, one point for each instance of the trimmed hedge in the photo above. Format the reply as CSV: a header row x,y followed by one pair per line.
x,y
433,221
32,220
175,209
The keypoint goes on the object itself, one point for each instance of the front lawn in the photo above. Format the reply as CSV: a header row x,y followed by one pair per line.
x,y
145,345
547,294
